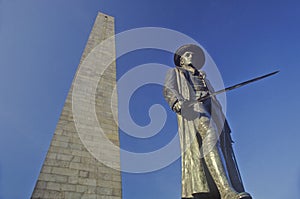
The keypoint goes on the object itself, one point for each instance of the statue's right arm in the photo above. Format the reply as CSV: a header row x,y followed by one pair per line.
x,y
171,93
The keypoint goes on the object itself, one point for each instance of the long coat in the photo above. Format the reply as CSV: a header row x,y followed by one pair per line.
x,y
195,176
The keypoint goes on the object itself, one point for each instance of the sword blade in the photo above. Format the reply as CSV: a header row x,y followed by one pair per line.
x,y
238,85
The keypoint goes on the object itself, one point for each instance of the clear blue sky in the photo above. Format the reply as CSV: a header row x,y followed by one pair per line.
x,y
41,43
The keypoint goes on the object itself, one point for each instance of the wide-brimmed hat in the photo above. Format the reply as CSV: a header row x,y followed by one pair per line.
x,y
199,57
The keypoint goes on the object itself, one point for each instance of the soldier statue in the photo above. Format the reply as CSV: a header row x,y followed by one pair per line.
x,y
209,168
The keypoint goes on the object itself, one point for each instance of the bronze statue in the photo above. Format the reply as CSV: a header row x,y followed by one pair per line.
x,y
209,168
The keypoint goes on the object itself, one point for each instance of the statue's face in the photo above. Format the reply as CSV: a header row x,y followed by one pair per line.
x,y
186,59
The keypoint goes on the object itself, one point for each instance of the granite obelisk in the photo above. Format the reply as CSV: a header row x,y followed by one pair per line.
x,y
70,170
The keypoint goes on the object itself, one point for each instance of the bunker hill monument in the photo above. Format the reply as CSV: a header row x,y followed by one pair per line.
x,y
70,170
83,160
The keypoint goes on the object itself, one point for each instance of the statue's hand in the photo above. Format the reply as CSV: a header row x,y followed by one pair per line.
x,y
201,95
177,106
189,109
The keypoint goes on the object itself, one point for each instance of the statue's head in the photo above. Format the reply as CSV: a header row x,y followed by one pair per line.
x,y
189,54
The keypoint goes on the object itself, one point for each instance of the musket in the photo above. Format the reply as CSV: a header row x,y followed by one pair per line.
x,y
236,86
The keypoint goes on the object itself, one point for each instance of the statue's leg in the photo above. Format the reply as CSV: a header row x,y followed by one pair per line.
x,y
213,159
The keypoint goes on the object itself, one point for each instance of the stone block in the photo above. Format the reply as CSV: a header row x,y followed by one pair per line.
x,y
81,188
83,174
53,178
89,196
53,186
72,195
64,171
68,187
105,191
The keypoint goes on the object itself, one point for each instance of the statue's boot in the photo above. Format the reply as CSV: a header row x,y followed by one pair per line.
x,y
217,171
213,159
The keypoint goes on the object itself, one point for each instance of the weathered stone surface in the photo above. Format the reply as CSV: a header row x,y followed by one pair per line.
x,y
70,171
